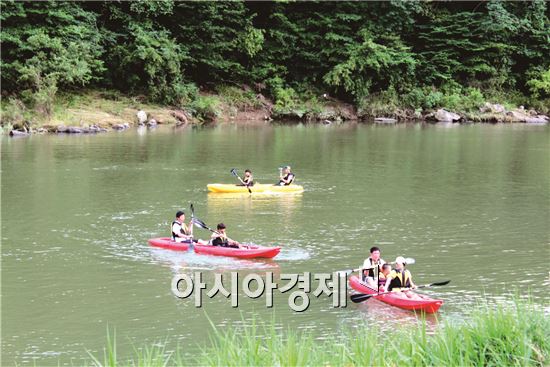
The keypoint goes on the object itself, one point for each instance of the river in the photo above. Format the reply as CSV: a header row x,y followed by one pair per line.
x,y
470,203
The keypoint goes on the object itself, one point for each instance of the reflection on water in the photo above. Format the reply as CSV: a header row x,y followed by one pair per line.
x,y
257,204
469,203
387,318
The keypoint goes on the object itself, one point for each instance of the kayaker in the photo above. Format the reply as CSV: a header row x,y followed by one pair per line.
x,y
247,179
286,177
400,278
219,238
180,231
385,271
371,267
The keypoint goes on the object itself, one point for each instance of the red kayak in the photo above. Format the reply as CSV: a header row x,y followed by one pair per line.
x,y
244,253
203,248
168,243
428,305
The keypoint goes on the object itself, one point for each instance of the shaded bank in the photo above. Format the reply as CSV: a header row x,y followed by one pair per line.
x,y
101,111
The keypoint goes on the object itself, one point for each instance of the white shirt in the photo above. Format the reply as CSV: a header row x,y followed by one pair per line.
x,y
368,265
176,228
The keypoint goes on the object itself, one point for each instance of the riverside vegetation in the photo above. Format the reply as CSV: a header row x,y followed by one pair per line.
x,y
92,63
513,335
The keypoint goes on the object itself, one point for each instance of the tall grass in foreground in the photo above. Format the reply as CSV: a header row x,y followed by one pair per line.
x,y
503,336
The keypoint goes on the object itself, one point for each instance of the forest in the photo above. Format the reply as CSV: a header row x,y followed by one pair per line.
x,y
379,57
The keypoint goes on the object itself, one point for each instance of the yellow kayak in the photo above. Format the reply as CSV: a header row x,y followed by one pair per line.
x,y
257,188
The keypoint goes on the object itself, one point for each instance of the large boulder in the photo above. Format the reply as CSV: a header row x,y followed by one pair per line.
x,y
385,120
61,129
18,133
120,126
540,119
442,115
73,130
517,116
180,117
493,108
141,117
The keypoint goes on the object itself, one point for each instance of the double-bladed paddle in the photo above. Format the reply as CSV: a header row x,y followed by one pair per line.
x,y
234,173
408,261
199,223
356,298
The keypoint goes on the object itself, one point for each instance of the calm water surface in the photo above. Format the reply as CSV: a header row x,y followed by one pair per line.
x,y
469,203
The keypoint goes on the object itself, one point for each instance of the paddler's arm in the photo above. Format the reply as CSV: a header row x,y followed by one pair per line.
x,y
233,242
387,285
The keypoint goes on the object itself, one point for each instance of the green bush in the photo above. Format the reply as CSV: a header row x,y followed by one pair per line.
x,y
239,98
205,108
13,112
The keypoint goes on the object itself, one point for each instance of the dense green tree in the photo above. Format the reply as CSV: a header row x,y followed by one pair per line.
x,y
420,51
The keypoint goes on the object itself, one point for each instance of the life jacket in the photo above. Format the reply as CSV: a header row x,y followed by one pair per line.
x,y
184,230
288,176
248,181
371,272
399,279
220,241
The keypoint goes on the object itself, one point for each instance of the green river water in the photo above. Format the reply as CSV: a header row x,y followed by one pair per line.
x,y
470,203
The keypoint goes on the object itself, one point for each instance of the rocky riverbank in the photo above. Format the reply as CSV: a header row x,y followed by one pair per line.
x,y
94,113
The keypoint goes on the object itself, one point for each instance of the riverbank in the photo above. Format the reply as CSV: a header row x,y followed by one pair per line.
x,y
102,111
513,335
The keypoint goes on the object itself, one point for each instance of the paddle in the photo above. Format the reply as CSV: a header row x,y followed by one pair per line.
x,y
234,173
199,223
408,261
191,229
356,298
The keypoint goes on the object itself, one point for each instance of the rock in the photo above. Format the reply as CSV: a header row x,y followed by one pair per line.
x,y
180,116
532,113
517,116
141,116
152,123
41,130
493,108
18,133
73,130
327,122
118,127
126,125
540,119
442,115
94,129
61,128
385,120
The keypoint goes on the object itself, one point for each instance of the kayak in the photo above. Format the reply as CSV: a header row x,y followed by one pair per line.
x,y
428,305
244,253
257,188
168,243
202,247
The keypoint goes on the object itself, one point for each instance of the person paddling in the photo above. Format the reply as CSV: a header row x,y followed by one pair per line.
x,y
400,278
286,177
219,238
180,231
247,179
372,267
